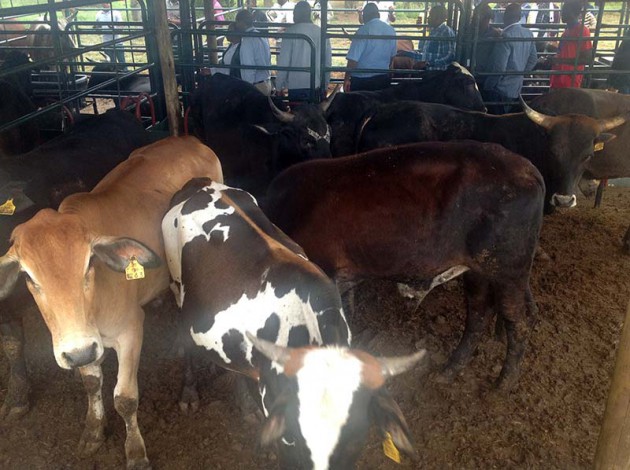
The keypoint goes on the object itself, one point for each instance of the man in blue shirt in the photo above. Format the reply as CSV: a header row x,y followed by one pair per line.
x,y
254,51
370,53
509,56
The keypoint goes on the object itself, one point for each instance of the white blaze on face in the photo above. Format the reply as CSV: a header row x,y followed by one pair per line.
x,y
327,382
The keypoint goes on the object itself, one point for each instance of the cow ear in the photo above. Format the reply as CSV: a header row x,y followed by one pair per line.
x,y
605,137
389,420
9,272
117,252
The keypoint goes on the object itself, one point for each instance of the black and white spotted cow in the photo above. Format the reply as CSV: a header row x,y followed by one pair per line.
x,y
236,274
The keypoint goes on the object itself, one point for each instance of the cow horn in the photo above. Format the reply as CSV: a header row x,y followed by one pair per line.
x,y
610,123
391,366
539,118
327,102
282,116
270,350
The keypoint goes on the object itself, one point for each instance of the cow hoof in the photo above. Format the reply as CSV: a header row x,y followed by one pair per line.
x,y
506,383
10,414
139,464
88,446
189,407
447,376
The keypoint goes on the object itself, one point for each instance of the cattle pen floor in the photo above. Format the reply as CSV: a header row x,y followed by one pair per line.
x,y
551,420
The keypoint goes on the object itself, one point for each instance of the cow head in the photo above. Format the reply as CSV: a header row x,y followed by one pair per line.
x,y
299,136
572,142
60,259
461,90
333,394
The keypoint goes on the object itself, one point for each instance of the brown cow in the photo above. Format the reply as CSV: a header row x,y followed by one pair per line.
x,y
425,213
73,259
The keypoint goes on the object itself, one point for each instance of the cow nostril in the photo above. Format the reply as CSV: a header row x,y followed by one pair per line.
x,y
67,358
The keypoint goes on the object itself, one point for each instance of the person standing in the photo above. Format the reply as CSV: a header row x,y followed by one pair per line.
x,y
386,9
438,54
486,33
509,56
621,62
232,55
281,12
108,17
297,53
575,49
367,53
254,52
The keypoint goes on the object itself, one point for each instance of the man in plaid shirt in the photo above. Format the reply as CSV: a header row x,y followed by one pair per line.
x,y
437,55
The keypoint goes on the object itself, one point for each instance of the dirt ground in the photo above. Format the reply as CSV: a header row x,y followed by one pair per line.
x,y
551,420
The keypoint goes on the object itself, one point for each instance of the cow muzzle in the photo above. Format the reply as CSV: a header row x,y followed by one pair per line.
x,y
78,352
563,200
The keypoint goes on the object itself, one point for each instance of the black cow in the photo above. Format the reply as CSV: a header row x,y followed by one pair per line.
x,y
560,147
425,213
455,86
243,286
15,101
105,71
42,178
252,137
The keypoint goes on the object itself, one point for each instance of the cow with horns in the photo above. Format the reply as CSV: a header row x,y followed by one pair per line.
x,y
84,265
454,86
424,214
559,146
253,138
250,298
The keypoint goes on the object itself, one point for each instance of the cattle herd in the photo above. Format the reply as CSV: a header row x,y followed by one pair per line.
x,y
260,229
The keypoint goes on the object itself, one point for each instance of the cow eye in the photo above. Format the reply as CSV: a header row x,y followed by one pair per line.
x,y
30,282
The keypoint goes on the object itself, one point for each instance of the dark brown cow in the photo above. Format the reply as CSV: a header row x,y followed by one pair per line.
x,y
425,213
560,147
613,161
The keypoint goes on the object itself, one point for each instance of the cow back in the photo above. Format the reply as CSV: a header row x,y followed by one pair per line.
x,y
372,215
132,199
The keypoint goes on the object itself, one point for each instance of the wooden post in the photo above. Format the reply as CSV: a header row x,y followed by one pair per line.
x,y
208,13
613,446
167,65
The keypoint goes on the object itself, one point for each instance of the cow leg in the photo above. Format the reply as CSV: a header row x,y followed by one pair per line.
x,y
93,434
625,248
16,402
189,398
126,393
346,291
516,305
479,312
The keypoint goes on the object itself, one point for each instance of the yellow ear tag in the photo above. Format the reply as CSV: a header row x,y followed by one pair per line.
x,y
389,448
134,270
8,208
599,146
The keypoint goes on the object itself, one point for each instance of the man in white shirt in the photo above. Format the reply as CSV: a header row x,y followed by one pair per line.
x,y
107,16
254,51
386,11
297,53
282,12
